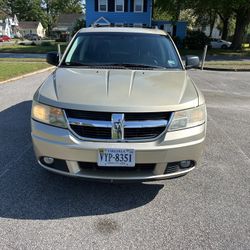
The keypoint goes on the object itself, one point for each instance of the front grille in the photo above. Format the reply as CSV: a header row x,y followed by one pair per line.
x,y
106,116
88,115
137,168
141,133
100,125
92,132
147,116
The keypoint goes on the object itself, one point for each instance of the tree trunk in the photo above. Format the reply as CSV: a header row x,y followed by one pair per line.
x,y
177,14
225,29
242,21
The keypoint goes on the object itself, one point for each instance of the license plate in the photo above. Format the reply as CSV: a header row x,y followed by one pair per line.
x,y
116,158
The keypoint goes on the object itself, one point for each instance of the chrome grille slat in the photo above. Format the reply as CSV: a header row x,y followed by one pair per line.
x,y
106,124
89,123
98,126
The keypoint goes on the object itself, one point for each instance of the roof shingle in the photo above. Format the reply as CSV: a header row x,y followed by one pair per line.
x,y
28,25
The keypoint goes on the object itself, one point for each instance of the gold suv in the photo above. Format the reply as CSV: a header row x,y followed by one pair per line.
x,y
119,107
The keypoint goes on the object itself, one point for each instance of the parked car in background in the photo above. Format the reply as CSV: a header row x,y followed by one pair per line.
x,y
4,38
32,37
219,44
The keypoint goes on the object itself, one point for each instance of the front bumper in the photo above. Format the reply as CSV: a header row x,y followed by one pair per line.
x,y
172,147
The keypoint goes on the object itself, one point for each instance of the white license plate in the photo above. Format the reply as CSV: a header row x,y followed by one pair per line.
x,y
116,158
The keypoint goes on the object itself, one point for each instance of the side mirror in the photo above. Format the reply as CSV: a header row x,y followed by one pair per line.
x,y
192,62
52,58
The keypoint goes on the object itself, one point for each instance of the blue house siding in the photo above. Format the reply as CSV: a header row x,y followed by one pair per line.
x,y
127,18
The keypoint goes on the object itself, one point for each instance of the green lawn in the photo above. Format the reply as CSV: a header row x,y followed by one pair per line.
x,y
10,69
39,49
218,52
22,60
233,65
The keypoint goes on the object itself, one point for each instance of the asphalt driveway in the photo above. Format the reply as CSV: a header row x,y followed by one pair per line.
x,y
207,209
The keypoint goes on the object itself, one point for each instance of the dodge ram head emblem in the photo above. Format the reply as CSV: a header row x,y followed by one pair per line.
x,y
118,126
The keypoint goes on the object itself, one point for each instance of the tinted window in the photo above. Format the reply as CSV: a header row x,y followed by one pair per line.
x,y
123,48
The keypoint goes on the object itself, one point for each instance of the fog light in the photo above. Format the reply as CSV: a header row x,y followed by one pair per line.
x,y
48,160
185,164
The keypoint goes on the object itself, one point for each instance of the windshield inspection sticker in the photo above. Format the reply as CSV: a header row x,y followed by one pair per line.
x,y
171,63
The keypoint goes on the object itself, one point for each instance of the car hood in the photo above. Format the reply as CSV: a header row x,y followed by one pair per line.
x,y
119,90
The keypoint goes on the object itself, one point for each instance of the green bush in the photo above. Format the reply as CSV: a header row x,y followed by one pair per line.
x,y
196,40
178,42
46,44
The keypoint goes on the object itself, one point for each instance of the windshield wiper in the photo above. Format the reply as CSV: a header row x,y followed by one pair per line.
x,y
75,64
123,65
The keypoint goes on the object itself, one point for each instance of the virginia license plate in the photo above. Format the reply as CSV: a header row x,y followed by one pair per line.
x,y
116,158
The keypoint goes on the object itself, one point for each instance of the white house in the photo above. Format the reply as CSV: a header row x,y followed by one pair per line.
x,y
216,33
8,26
4,28
31,28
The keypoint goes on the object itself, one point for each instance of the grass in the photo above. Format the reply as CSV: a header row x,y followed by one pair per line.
x,y
22,60
233,65
13,68
38,49
218,52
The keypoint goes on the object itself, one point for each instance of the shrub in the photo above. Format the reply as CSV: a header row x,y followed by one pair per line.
x,y
178,42
46,44
196,40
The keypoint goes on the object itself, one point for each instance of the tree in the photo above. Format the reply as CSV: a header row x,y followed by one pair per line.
x,y
242,13
206,10
225,12
80,23
159,14
26,10
172,7
45,11
53,8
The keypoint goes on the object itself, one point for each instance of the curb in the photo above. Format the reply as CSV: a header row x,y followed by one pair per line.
x,y
228,70
29,74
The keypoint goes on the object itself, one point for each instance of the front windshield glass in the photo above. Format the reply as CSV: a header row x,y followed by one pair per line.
x,y
122,49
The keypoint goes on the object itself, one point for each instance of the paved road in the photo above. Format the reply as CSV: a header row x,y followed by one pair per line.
x,y
207,209
20,55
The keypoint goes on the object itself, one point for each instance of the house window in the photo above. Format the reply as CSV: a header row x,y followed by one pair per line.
x,y
138,6
103,5
119,5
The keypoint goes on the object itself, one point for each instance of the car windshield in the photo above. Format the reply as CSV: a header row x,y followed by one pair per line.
x,y
122,49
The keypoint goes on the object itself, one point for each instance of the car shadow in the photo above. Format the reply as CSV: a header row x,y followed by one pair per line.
x,y
29,192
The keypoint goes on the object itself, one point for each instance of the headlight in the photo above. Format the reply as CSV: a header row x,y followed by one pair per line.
x,y
188,118
47,114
